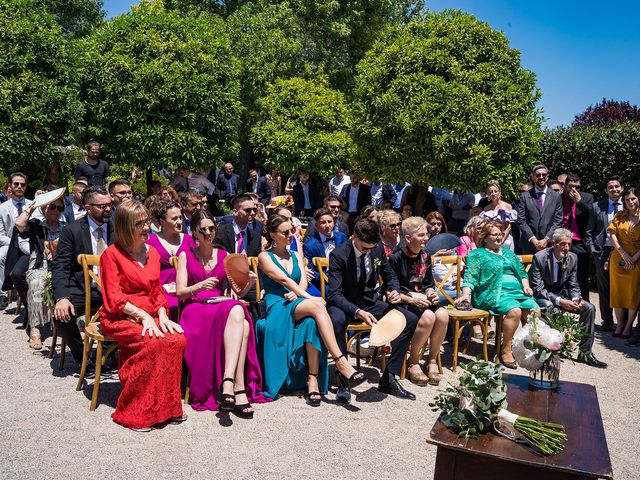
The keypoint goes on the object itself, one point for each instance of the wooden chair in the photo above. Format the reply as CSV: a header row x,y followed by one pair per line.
x,y
461,318
92,331
54,341
253,265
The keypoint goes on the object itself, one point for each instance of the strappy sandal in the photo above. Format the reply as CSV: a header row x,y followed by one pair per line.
x,y
313,398
35,342
227,401
239,410
353,381
177,420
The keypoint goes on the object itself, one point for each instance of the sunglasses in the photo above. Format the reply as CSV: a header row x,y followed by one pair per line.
x,y
541,175
250,210
102,206
395,225
286,233
333,207
205,230
197,204
19,184
142,223
53,206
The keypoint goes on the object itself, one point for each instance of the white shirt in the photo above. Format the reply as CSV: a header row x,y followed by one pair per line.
x,y
335,185
329,246
78,211
305,192
353,199
367,262
236,236
23,243
611,208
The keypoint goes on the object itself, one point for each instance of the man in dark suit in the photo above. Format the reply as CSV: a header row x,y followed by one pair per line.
x,y
539,213
235,236
333,203
306,196
576,211
555,287
356,196
259,186
323,242
599,244
89,235
191,201
227,184
355,295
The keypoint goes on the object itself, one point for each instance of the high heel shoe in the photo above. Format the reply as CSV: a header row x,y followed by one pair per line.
x,y
309,396
239,409
226,400
512,365
353,381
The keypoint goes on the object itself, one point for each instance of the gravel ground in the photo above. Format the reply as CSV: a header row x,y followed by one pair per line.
x,y
46,428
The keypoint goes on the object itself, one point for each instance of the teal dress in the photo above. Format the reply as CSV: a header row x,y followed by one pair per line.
x,y
282,339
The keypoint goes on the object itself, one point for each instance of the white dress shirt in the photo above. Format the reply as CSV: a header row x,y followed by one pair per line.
x,y
353,199
367,262
329,245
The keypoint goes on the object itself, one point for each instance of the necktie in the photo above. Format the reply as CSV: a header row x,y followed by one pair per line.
x,y
363,270
539,200
328,239
616,207
19,207
101,245
240,241
558,271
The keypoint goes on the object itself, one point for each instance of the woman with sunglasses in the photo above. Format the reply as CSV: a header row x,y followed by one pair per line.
x,y
221,345
390,223
297,327
43,240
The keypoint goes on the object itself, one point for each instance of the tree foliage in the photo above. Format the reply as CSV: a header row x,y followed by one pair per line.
x,y
608,112
77,17
303,124
445,101
39,105
594,153
161,88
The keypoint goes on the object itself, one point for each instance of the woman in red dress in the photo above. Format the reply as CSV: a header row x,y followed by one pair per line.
x,y
134,314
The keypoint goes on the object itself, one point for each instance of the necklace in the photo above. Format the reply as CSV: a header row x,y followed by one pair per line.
x,y
205,263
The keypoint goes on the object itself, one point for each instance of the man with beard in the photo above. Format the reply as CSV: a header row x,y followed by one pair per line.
x,y
90,235
96,171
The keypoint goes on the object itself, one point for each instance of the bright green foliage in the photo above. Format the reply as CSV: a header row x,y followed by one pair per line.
x,y
39,105
594,153
161,89
302,124
445,101
77,17
224,8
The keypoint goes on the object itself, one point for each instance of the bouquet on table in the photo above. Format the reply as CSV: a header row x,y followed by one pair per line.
x,y
478,403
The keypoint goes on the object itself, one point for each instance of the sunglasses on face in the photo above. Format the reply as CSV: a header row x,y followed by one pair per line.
x,y
205,230
19,184
541,175
286,233
53,206
197,204
250,210
142,223
333,207
395,225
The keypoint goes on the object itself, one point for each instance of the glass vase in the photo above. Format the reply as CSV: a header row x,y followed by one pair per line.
x,y
547,377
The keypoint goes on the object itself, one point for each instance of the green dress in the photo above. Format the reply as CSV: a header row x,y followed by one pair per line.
x,y
496,281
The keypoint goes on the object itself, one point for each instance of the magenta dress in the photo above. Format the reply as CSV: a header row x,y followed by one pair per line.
x,y
204,326
167,272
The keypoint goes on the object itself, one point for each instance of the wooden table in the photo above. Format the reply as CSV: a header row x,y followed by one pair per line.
x,y
575,405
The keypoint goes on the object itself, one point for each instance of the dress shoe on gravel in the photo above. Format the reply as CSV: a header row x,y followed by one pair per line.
x,y
389,384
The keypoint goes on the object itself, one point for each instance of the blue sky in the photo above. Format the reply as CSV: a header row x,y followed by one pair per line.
x,y
580,51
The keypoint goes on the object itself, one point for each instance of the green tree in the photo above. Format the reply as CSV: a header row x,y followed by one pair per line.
x,y
445,101
303,124
77,17
39,105
161,88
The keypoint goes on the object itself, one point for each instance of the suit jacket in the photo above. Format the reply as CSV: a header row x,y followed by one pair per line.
x,y
298,199
344,290
364,196
313,247
542,281
66,273
583,214
534,223
226,238
263,191
596,231
338,227
8,220
222,186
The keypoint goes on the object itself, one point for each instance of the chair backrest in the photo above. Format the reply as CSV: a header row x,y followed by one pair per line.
x,y
88,262
253,265
453,263
321,263
527,261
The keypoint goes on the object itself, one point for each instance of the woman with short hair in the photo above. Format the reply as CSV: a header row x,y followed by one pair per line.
x,y
390,223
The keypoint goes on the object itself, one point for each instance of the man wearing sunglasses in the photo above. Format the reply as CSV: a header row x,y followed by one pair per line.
x,y
236,236
9,211
333,203
355,295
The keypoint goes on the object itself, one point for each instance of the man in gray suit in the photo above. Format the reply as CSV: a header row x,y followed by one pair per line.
x,y
598,242
555,287
539,213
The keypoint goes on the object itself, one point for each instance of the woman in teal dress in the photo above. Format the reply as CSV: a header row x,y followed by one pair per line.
x,y
293,336
496,281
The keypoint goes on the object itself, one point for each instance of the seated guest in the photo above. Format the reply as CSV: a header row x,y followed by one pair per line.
x,y
370,212
500,211
191,201
297,331
406,211
436,224
333,203
134,314
555,286
255,224
221,344
469,241
496,281
390,223
169,242
167,193
355,295
43,239
236,237
75,208
413,268
151,203
322,243
89,235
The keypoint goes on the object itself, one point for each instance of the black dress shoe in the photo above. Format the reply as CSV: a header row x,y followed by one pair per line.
x,y
594,362
605,328
389,384
633,341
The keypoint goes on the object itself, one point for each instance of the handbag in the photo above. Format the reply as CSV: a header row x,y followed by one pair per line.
x,y
258,310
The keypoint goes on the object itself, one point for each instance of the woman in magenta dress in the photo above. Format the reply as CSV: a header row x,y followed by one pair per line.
x,y
221,344
169,242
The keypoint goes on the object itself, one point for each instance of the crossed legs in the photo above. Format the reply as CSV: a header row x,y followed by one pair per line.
x,y
236,336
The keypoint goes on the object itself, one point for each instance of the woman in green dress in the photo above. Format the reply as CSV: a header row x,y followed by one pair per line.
x,y
496,281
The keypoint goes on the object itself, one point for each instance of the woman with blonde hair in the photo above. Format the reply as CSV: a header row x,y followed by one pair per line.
x,y
390,223
500,211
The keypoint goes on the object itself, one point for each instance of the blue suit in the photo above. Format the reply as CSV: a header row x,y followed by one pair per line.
x,y
313,247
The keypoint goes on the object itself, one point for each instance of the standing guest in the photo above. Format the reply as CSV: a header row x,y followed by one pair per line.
x,y
5,194
337,183
259,186
151,203
89,235
75,209
561,179
413,268
496,281
191,201
599,243
95,171
500,211
170,242
236,237
555,186
554,281
442,198
469,241
167,193
383,192
390,223
227,184
539,213
298,321
306,196
43,241
186,179
221,344
624,266
461,204
333,203
406,211
120,190
355,295
576,212
134,314
356,195
401,193
274,181
436,224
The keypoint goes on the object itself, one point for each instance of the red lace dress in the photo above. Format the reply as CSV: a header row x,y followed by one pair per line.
x,y
149,368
